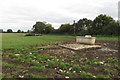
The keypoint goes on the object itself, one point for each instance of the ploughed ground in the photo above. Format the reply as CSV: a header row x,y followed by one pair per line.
x,y
93,62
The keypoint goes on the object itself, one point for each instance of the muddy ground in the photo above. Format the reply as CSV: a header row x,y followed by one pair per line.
x,y
109,50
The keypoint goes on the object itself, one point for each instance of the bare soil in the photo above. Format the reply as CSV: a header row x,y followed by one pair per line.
x,y
109,49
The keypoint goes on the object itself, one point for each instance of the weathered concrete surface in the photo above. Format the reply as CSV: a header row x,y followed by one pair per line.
x,y
80,46
86,40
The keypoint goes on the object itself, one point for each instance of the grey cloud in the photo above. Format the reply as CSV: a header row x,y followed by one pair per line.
x,y
24,16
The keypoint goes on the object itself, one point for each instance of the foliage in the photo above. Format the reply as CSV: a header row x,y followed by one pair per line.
x,y
9,31
102,76
19,31
63,65
83,26
76,67
1,30
52,63
42,27
38,68
65,29
106,71
86,75
112,60
104,25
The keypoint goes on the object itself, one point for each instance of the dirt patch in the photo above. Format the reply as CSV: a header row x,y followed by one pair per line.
x,y
109,49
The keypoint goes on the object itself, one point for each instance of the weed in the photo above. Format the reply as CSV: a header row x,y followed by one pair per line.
x,y
20,66
97,63
28,60
10,54
38,68
12,65
106,71
117,67
86,75
36,63
7,64
112,60
52,63
34,76
102,76
84,67
8,75
74,57
63,65
76,67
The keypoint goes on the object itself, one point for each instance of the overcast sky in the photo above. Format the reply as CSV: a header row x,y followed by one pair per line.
x,y
23,14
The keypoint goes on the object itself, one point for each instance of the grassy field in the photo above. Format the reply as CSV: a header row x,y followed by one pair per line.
x,y
113,38
17,40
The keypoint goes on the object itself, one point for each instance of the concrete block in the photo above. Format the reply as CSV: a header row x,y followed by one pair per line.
x,y
85,40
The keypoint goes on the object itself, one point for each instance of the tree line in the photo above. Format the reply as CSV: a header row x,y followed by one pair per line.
x,y
101,25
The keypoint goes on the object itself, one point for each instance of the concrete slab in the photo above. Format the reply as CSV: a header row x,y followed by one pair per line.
x,y
80,46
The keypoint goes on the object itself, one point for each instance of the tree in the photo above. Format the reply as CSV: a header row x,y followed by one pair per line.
x,y
9,31
39,27
112,28
99,24
48,29
65,28
83,26
19,31
42,27
1,30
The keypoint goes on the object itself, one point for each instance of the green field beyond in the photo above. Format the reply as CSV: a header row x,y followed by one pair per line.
x,y
18,40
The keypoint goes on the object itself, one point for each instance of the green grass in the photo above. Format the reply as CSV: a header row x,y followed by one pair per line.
x,y
113,38
18,40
